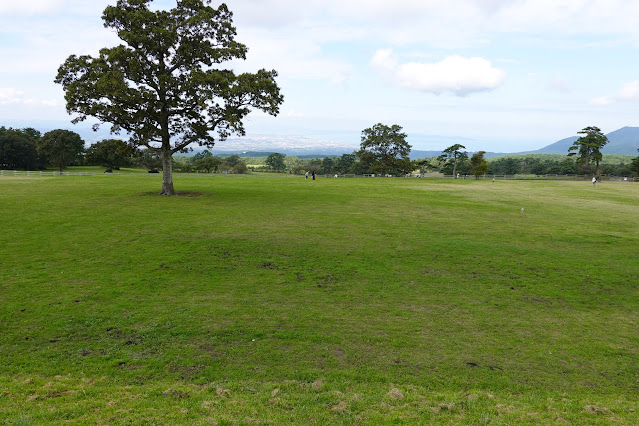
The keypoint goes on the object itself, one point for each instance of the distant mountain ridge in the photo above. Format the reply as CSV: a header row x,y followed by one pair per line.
x,y
624,141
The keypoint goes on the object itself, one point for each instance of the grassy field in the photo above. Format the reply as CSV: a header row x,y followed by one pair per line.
x,y
342,301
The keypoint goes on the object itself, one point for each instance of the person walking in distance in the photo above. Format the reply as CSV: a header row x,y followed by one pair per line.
x,y
594,181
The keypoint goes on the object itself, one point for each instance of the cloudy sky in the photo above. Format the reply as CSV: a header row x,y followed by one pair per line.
x,y
496,75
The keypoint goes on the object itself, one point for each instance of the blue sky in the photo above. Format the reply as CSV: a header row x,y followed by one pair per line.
x,y
495,75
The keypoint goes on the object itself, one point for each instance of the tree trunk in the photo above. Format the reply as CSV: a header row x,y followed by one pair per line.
x,y
167,173
455,169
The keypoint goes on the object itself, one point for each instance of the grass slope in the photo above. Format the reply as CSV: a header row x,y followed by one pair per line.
x,y
340,301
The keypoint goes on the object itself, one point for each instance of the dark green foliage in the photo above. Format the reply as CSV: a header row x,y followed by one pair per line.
x,y
451,158
314,165
60,147
202,154
531,164
208,164
109,153
18,149
345,164
328,166
634,166
165,84
233,164
478,165
240,168
556,164
424,164
149,159
588,148
275,162
505,166
384,150
232,160
205,161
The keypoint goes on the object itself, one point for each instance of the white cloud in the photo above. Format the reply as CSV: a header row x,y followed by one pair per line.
x,y
13,96
628,93
601,101
455,74
448,23
294,57
9,95
28,7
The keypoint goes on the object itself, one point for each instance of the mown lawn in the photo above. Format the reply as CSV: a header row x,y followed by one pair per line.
x,y
273,300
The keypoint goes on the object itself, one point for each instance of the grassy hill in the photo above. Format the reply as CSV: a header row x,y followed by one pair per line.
x,y
336,301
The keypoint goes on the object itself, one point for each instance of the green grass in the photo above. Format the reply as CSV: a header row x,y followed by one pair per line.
x,y
339,301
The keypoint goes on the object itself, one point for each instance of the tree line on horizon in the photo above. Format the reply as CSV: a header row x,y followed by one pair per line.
x,y
29,149
383,151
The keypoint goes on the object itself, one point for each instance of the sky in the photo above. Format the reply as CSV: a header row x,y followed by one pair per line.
x,y
493,75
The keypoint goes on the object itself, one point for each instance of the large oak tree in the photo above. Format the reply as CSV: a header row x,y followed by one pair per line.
x,y
384,149
165,85
60,147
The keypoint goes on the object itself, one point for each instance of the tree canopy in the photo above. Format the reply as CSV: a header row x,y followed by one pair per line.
x,y
18,149
588,147
109,153
208,164
275,162
61,147
478,164
452,156
384,149
634,166
165,85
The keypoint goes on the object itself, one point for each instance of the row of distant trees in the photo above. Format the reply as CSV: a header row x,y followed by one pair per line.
x,y
206,162
383,151
28,149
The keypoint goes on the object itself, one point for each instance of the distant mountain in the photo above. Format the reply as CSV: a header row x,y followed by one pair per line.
x,y
559,147
624,141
